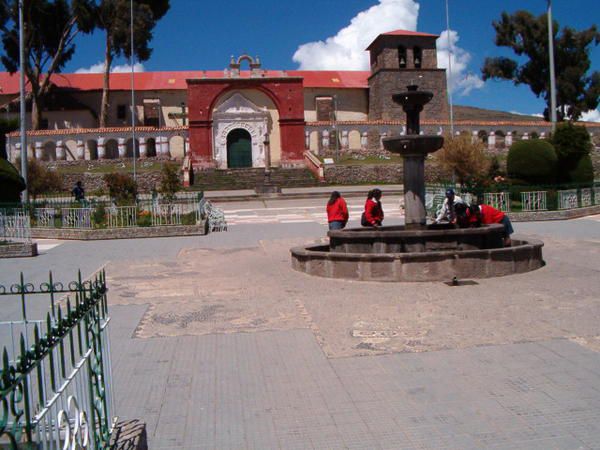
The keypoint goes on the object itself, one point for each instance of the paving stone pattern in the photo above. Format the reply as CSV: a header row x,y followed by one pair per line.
x,y
277,390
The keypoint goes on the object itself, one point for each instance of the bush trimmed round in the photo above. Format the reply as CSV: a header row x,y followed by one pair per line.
x,y
583,172
11,183
533,160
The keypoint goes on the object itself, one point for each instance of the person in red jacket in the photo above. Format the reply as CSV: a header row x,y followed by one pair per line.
x,y
476,215
373,215
337,211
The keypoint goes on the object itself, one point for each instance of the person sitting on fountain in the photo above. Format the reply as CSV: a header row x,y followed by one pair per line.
x,y
475,215
373,215
447,210
337,211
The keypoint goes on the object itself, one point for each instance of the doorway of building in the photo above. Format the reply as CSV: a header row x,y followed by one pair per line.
x,y
239,149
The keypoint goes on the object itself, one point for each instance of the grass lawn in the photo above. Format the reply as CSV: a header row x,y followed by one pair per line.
x,y
123,167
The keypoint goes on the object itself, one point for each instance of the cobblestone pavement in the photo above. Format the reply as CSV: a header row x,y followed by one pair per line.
x,y
218,344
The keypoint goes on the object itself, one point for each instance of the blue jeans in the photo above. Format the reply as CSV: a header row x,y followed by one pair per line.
x,y
336,225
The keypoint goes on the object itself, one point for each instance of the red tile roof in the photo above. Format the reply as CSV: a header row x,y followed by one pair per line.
x,y
151,81
408,33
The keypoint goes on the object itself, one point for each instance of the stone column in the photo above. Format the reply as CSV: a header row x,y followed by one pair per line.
x,y
80,150
492,140
415,215
325,140
60,150
17,153
543,135
142,146
165,146
344,141
186,148
101,148
122,147
526,136
39,151
364,140
474,136
307,140
508,140
382,136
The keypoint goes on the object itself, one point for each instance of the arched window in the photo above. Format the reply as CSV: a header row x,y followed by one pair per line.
x,y
418,57
402,57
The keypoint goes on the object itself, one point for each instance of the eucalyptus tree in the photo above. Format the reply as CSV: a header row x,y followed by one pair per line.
x,y
527,36
113,17
50,28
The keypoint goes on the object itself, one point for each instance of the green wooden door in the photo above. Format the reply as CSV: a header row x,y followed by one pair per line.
x,y
239,149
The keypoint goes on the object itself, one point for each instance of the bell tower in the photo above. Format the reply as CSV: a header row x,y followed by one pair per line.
x,y
400,58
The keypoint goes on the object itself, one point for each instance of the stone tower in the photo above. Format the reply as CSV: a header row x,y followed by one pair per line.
x,y
400,58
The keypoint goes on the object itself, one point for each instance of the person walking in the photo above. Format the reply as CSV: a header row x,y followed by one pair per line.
x,y
373,215
337,211
78,192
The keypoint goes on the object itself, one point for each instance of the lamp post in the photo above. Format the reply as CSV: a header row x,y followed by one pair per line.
x,y
183,123
22,103
267,187
449,70
335,131
551,62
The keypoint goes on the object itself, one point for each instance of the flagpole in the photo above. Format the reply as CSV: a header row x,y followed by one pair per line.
x,y
449,70
131,62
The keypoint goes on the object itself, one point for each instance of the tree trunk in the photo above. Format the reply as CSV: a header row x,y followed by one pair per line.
x,y
36,112
106,85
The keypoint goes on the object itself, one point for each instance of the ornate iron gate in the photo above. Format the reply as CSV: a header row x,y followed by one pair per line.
x,y
56,377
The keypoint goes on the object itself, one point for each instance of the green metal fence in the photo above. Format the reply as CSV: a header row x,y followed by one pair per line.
x,y
56,375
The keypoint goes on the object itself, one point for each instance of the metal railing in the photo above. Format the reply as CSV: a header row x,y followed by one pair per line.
x,y
534,201
56,383
498,200
15,225
121,216
567,199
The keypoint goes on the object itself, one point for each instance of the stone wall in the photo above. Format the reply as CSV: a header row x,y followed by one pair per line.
x,y
377,173
120,233
18,250
93,182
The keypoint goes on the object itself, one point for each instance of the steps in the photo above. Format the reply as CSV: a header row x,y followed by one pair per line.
x,y
231,179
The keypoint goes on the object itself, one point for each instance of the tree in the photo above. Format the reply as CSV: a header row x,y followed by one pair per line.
x,y
532,161
573,146
122,188
114,18
50,27
41,180
527,36
466,159
11,183
170,183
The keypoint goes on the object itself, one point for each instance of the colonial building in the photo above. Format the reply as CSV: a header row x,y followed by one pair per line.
x,y
246,116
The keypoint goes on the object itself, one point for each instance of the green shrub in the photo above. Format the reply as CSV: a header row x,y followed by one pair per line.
x,y
571,141
583,171
170,183
533,161
41,180
11,183
144,219
99,216
121,187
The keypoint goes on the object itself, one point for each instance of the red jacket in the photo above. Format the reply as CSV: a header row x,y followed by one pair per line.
x,y
338,211
490,214
373,212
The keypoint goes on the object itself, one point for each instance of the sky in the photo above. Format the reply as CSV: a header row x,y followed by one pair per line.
x,y
332,35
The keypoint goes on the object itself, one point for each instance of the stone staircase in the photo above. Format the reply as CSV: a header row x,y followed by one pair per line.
x,y
214,179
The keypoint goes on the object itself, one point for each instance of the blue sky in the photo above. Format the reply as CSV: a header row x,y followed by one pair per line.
x,y
197,35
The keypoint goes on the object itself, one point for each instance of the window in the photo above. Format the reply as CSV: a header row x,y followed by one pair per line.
x,y
324,107
418,57
44,124
121,112
152,112
402,57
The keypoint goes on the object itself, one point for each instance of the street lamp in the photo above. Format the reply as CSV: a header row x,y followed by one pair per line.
x,y
551,61
183,123
449,70
131,61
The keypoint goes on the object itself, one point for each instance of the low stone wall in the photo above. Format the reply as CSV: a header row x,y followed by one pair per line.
x,y
129,435
534,216
93,182
377,173
18,250
120,233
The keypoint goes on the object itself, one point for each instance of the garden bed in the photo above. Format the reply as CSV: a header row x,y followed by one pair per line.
x,y
120,233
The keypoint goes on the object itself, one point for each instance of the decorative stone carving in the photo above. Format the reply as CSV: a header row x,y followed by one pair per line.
x,y
239,112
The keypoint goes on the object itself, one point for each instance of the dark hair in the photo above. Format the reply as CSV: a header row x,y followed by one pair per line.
x,y
334,196
374,193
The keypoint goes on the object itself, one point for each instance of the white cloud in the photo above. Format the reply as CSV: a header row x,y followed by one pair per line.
x,y
460,80
346,50
99,68
527,114
592,115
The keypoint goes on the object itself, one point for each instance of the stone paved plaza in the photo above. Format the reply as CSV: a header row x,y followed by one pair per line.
x,y
218,344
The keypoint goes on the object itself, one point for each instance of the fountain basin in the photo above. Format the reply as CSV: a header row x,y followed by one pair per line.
x,y
395,254
413,144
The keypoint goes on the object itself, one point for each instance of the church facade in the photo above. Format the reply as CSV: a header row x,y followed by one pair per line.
x,y
244,115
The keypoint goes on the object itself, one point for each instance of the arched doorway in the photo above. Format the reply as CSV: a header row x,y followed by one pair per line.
x,y
239,149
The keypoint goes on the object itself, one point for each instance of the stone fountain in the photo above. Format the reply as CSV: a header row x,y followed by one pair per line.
x,y
417,251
